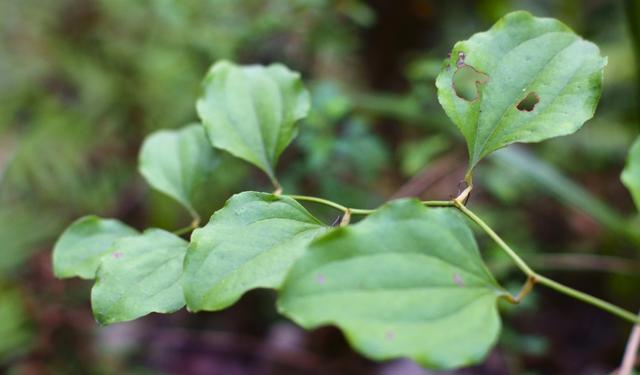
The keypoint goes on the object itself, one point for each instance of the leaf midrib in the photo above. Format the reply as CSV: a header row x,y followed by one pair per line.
x,y
477,152
245,262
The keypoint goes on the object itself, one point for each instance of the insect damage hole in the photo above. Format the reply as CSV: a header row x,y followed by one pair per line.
x,y
466,82
528,104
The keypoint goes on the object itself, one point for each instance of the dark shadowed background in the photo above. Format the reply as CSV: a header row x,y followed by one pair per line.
x,y
83,81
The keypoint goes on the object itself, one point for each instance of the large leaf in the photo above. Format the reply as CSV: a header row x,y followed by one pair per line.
x,y
250,243
143,274
631,174
252,111
79,249
408,281
534,79
178,162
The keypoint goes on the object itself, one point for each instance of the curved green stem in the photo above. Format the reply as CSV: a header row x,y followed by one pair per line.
x,y
507,249
195,223
359,211
438,203
325,202
536,278
532,276
185,230
584,297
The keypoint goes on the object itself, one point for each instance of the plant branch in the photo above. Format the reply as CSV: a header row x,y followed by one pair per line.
x,y
584,297
532,276
506,248
325,202
630,352
526,288
358,211
185,230
194,224
537,278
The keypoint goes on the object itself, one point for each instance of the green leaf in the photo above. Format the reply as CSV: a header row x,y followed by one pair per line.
x,y
250,243
631,173
407,281
252,111
178,162
534,79
79,249
143,274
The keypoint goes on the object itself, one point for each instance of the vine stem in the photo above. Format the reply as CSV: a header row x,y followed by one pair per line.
x,y
195,223
539,279
584,297
524,267
359,211
532,276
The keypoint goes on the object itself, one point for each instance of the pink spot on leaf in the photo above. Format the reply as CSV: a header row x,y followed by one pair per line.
x,y
458,280
117,254
390,335
321,279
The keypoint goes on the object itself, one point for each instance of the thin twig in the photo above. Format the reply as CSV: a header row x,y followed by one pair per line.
x,y
524,267
630,352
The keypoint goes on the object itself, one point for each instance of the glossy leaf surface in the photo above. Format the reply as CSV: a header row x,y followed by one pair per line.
x,y
407,281
250,243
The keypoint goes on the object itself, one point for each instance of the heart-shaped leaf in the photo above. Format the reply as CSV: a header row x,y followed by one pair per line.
x,y
252,111
250,243
631,174
407,281
142,274
534,79
178,162
79,249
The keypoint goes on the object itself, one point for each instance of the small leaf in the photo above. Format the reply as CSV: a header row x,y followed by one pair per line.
x,y
250,243
142,274
631,173
178,162
79,249
407,281
532,79
252,111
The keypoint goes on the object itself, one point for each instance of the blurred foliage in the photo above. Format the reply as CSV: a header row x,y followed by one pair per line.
x,y
82,82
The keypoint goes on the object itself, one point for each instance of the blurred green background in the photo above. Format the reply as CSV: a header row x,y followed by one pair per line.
x,y
83,81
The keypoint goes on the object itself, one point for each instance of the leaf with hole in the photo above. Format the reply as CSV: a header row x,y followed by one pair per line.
x,y
250,243
178,162
631,173
252,111
142,274
78,251
525,80
407,281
